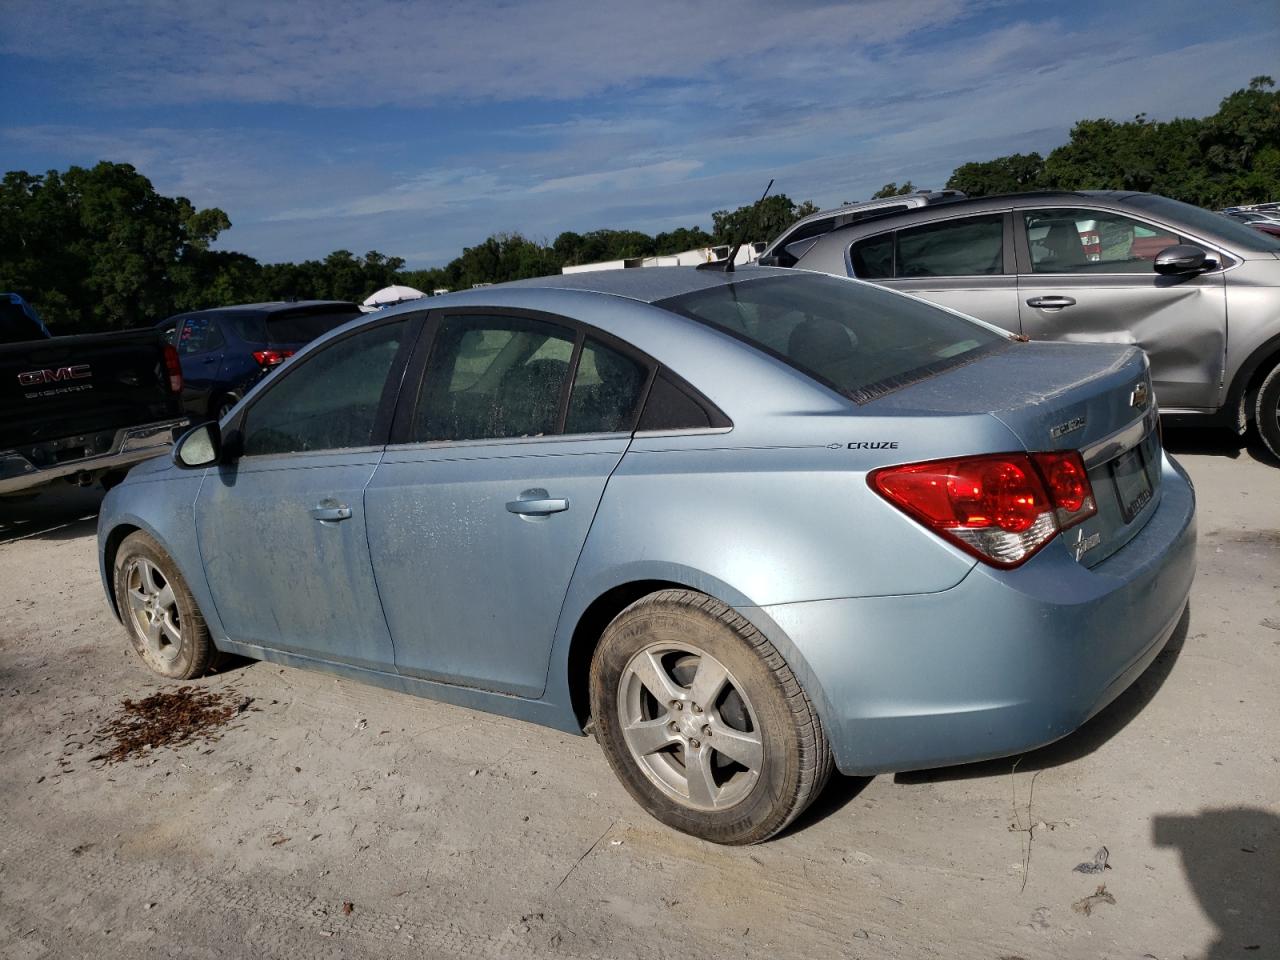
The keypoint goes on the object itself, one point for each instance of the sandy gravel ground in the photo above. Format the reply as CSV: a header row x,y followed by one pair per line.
x,y
457,834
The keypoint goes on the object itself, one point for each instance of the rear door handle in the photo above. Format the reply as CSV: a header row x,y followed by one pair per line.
x,y
536,503
331,513
1051,303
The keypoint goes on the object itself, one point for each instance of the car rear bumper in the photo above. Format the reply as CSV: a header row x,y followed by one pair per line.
x,y
1005,661
92,453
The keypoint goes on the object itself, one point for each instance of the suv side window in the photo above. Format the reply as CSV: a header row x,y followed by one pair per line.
x,y
330,401
972,246
967,247
492,377
199,334
1067,240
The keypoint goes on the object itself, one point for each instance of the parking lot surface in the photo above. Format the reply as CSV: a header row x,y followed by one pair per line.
x,y
332,819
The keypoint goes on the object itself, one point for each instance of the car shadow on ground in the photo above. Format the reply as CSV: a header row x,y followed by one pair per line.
x,y
1231,857
62,512
1218,443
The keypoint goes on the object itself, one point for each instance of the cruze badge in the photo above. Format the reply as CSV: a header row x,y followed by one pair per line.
x,y
1082,544
1139,396
1062,429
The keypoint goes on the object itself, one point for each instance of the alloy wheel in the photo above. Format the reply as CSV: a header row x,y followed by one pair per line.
x,y
154,609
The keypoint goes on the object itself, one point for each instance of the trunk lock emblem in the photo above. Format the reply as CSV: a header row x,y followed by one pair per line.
x,y
1139,396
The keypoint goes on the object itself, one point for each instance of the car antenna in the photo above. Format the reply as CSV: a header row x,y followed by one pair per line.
x,y
727,264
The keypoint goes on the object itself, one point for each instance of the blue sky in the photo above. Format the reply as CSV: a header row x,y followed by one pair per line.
x,y
418,128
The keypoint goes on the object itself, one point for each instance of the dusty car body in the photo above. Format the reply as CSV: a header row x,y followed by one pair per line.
x,y
756,505
1085,267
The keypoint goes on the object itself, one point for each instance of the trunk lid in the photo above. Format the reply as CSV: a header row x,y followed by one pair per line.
x,y
1095,398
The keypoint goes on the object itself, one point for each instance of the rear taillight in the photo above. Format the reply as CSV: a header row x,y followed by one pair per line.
x,y
172,367
271,358
1001,508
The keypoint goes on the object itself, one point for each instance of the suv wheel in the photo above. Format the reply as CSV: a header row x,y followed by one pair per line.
x,y
1267,411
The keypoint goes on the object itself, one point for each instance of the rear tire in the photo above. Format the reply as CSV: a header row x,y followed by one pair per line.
x,y
1267,411
703,721
159,613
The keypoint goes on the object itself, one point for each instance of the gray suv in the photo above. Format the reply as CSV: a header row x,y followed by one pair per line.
x,y
1200,293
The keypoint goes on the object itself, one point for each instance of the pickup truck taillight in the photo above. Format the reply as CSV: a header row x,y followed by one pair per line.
x,y
271,358
1001,508
173,368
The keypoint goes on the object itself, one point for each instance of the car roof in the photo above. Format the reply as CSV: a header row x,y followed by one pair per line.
x,y
645,284
274,306
1120,200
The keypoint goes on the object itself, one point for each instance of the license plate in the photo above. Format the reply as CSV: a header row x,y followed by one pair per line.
x,y
1133,485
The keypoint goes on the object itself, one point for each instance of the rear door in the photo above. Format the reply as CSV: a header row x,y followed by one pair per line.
x,y
477,518
282,530
965,263
1089,275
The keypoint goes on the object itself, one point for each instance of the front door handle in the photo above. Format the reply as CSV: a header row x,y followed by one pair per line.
x,y
1051,303
536,503
329,512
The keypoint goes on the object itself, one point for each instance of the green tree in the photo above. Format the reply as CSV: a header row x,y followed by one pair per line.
x,y
1015,173
774,215
893,190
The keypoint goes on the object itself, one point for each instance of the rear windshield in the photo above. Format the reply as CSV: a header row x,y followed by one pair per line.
x,y
289,327
15,325
861,340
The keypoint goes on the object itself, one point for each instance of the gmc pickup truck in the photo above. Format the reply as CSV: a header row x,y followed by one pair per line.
x,y
83,408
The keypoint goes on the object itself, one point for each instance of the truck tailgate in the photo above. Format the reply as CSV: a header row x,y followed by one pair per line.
x,y
67,386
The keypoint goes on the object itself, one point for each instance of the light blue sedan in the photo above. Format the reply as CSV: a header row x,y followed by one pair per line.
x,y
744,526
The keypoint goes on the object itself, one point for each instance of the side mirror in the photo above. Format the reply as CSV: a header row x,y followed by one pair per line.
x,y
1180,258
199,447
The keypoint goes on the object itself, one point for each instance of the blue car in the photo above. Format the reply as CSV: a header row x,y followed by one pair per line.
x,y
744,526
226,350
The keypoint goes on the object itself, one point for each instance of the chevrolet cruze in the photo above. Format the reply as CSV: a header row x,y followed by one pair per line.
x,y
743,526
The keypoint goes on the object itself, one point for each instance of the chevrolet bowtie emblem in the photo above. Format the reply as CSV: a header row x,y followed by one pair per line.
x,y
1139,396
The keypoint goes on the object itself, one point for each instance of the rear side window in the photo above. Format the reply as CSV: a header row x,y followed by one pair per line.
x,y
973,246
493,377
606,389
860,340
873,257
330,401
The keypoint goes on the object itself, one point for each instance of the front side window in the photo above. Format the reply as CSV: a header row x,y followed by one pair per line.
x,y
1068,240
493,377
330,401
860,340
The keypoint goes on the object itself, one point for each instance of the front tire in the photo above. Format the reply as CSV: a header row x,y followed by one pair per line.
x,y
703,721
1267,412
159,613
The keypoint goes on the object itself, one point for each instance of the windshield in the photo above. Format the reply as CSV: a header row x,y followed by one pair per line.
x,y
861,340
1215,225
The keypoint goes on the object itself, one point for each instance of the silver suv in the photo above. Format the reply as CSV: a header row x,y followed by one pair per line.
x,y
787,246
1200,293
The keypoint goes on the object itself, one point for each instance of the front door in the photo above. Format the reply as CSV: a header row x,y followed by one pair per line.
x,y
476,523
282,531
1089,276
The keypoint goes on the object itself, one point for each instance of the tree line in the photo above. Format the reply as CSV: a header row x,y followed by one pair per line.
x,y
98,248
